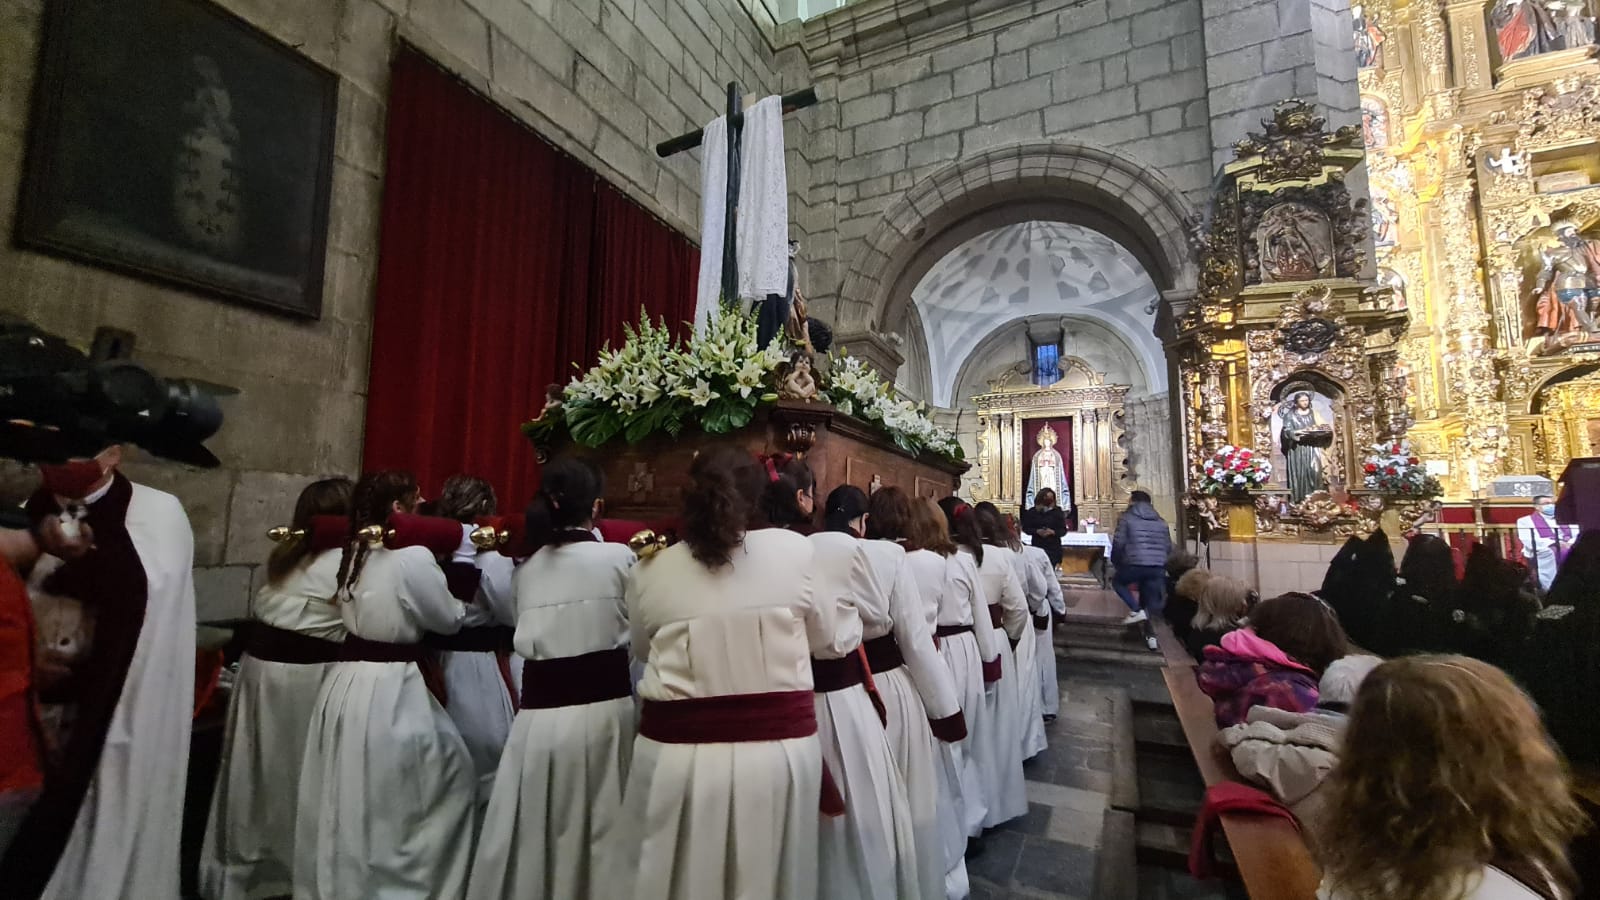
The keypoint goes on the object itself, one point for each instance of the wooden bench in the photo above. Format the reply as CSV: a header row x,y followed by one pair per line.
x,y
1271,856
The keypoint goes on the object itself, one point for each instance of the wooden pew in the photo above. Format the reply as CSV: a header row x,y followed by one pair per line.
x,y
1272,857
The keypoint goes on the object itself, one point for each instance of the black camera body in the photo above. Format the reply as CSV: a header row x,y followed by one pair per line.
x,y
57,403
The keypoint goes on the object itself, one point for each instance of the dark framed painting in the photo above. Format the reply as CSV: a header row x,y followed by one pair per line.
x,y
174,141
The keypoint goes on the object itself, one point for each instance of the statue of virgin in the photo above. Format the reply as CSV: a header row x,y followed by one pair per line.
x,y
1048,469
1301,438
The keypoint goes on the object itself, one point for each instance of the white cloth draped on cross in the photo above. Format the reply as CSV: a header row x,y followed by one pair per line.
x,y
763,213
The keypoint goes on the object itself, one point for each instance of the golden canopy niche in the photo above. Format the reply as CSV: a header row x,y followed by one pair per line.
x,y
1099,468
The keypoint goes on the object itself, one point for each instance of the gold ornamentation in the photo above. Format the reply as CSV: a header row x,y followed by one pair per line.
x,y
1291,147
283,534
1566,112
646,544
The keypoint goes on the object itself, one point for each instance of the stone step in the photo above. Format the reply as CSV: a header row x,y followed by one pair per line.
x,y
1116,875
1139,657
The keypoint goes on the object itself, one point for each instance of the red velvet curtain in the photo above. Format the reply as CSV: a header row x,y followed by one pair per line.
x,y
502,262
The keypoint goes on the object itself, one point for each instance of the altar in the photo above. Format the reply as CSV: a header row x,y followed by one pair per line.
x,y
1084,558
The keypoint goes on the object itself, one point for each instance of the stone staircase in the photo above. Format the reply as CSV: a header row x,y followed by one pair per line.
x,y
1156,788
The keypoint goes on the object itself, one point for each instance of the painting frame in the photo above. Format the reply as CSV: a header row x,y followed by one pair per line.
x,y
157,219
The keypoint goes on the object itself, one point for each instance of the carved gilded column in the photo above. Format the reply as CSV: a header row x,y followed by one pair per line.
x,y
1469,356
1469,45
1091,456
1433,46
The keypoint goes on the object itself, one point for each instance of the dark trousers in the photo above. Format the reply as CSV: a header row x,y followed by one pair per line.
x,y
1152,582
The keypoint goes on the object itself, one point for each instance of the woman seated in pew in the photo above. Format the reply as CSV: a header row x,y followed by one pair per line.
x,y
1179,609
1275,660
1448,788
1291,754
1220,605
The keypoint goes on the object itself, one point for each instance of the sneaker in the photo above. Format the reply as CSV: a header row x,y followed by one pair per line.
x,y
1135,618
1150,641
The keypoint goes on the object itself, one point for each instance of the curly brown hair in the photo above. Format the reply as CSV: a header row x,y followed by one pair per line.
x,y
725,484
1445,769
1303,627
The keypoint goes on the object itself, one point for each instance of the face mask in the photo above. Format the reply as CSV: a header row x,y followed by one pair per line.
x,y
1549,509
72,480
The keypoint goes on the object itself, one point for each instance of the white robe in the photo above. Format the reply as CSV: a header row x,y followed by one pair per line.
x,y
124,843
1538,551
1027,653
723,821
1001,767
963,603
870,852
249,845
479,702
1049,686
956,776
558,794
914,693
387,788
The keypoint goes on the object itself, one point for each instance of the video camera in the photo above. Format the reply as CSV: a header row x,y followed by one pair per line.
x,y
57,403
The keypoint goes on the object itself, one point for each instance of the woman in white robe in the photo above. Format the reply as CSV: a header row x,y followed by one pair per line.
x,y
387,789
477,689
1044,630
970,646
723,792
870,852
1004,788
248,851
558,794
1025,647
918,690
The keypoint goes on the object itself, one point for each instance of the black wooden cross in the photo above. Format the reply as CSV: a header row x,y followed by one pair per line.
x,y
730,257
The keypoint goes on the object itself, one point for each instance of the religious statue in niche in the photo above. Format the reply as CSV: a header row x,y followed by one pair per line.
x,y
1369,38
1568,289
1524,28
1304,428
1294,242
1048,469
1384,215
1374,124
1577,26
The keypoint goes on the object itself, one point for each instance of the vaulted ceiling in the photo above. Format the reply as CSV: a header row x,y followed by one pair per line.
x,y
1032,269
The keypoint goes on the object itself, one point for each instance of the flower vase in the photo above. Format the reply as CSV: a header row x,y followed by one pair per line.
x,y
1241,517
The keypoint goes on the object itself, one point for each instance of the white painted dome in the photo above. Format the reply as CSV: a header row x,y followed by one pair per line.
x,y
1032,269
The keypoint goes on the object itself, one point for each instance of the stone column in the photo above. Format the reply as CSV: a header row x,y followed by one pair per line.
x,y
1259,52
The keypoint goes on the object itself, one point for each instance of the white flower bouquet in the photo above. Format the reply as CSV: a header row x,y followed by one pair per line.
x,y
714,382
1234,470
654,384
856,389
1393,470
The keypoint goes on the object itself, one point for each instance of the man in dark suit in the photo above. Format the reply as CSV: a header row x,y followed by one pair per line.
x,y
1045,523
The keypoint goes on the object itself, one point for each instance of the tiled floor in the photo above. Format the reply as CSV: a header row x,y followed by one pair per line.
x,y
1050,854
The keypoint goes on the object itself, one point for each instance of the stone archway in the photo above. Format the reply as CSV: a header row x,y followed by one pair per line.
x,y
1049,180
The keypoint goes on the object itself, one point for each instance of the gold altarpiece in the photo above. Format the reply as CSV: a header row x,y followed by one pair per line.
x,y
1099,467
1284,318
1483,147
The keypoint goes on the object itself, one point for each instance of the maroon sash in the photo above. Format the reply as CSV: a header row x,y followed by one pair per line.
x,y
736,719
1042,623
576,680
883,654
270,644
997,615
110,581
360,649
948,630
829,675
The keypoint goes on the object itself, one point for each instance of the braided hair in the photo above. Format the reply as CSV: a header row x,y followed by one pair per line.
x,y
719,502
373,499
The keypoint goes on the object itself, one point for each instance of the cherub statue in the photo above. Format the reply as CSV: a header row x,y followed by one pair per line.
x,y
798,383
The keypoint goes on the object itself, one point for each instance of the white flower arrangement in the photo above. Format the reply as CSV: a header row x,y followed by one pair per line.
x,y
715,382
1394,470
856,389
1234,470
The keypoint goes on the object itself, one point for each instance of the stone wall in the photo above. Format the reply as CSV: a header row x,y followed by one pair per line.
x,y
603,79
916,94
